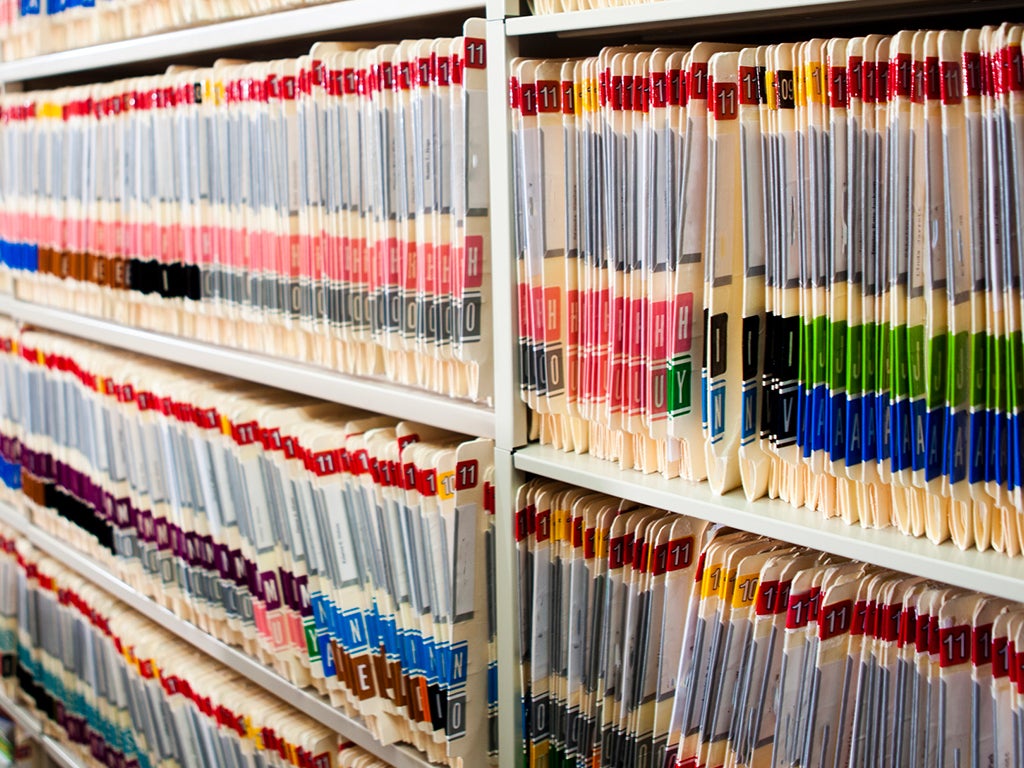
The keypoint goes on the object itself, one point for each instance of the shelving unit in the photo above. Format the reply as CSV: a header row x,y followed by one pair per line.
x,y
234,35
401,402
729,17
306,702
989,571
506,422
56,751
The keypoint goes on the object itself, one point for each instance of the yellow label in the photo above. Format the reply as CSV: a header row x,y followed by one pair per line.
x,y
812,72
577,92
600,543
446,485
218,90
745,590
712,581
725,588
101,385
50,109
225,425
769,89
40,357
593,102
15,347
560,524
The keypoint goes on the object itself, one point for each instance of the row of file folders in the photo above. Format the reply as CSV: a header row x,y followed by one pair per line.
x,y
792,268
331,208
655,640
348,552
124,692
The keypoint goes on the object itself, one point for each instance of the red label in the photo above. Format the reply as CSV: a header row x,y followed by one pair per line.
x,y
900,71
543,525
860,615
528,100
568,97
798,612
659,563
767,597
726,101
972,74
679,554
951,85
908,620
835,619
549,96
475,52
659,89
1000,657
245,434
617,552
467,474
981,650
324,463
697,81
838,93
889,622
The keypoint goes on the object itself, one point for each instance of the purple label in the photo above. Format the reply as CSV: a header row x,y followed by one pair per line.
x,y
269,590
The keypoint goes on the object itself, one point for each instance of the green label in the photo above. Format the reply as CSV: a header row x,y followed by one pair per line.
x,y
855,359
870,332
916,378
680,384
309,628
958,380
938,365
883,374
1015,371
996,374
819,363
979,344
899,380
837,355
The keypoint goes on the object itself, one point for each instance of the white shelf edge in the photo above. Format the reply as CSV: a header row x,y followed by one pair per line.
x,y
34,729
375,395
272,27
987,572
741,15
306,702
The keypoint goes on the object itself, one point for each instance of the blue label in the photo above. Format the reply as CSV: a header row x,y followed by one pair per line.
x,y
855,430
749,427
459,664
429,659
819,402
957,446
869,409
803,439
836,428
883,414
997,448
326,657
704,399
979,451
353,631
934,443
718,413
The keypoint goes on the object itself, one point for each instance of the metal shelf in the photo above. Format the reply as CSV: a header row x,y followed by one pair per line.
x,y
988,572
733,16
311,704
57,752
375,395
237,33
